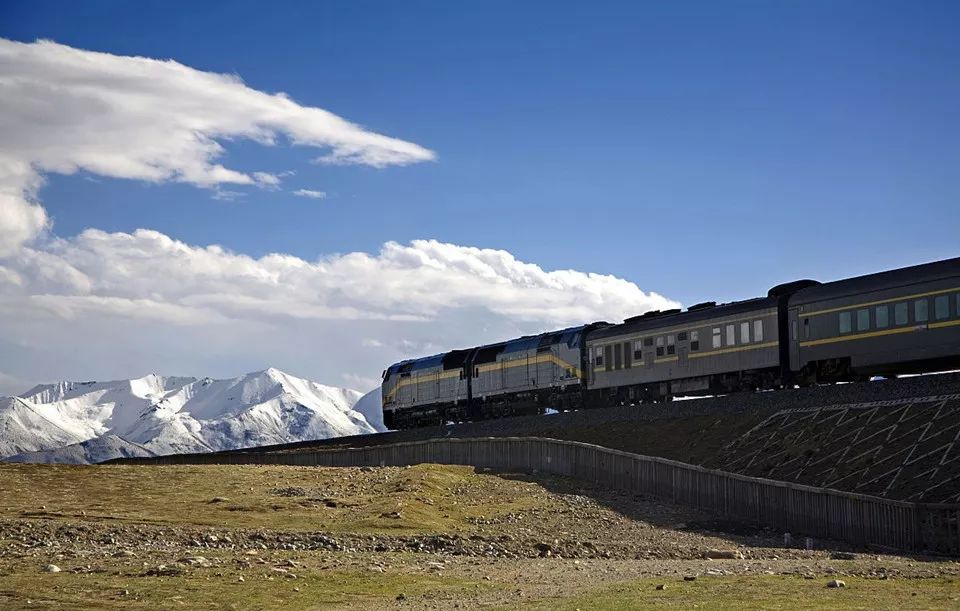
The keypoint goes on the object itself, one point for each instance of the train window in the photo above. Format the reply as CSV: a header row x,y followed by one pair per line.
x,y
846,322
671,344
648,342
476,372
694,341
806,328
681,337
941,307
758,330
637,350
883,316
660,346
744,333
863,320
794,328
900,314
660,341
716,337
598,358
920,310
731,335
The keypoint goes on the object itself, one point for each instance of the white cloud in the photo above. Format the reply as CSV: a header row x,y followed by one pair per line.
x,y
266,179
310,193
64,109
115,304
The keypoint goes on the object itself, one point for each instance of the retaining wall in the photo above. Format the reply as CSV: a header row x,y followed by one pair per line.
x,y
802,510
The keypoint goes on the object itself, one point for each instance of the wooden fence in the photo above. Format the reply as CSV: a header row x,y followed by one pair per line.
x,y
801,510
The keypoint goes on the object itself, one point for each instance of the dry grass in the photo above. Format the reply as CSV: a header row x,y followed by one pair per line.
x,y
100,502
428,498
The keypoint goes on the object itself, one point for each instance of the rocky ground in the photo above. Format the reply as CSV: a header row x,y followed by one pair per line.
x,y
418,537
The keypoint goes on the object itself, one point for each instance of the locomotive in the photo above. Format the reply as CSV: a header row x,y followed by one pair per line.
x,y
802,333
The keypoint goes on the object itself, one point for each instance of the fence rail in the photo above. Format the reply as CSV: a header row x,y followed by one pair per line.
x,y
803,510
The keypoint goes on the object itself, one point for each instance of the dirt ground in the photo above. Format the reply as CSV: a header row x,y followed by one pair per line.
x,y
440,537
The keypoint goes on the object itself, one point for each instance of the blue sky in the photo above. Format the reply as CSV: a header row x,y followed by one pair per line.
x,y
702,150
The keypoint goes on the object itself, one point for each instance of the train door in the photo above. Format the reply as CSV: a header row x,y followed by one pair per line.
x,y
793,338
683,349
648,354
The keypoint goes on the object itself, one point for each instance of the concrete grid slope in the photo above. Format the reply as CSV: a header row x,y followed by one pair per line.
x,y
908,450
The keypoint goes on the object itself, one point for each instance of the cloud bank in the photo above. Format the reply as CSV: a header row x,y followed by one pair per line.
x,y
118,305
64,109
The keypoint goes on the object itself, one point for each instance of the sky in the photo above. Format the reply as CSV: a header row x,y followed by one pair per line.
x,y
436,175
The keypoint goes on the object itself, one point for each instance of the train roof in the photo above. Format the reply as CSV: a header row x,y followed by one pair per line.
x,y
417,364
914,274
456,358
670,318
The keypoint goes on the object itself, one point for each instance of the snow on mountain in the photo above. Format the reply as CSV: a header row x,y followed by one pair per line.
x,y
370,406
166,415
90,451
26,428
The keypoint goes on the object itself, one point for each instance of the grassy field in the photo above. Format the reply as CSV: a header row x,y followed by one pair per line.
x,y
765,592
249,537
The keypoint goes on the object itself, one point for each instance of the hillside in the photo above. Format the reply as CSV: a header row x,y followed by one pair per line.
x,y
162,415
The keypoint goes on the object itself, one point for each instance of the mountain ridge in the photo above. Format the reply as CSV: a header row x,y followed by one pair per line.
x,y
174,414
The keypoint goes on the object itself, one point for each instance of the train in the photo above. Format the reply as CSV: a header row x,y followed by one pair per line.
x,y
801,333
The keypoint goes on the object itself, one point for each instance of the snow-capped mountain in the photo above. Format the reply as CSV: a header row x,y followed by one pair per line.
x,y
371,406
163,415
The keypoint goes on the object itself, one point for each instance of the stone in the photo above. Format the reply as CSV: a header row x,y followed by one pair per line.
x,y
195,561
726,554
51,568
219,499
661,586
843,556
836,583
689,577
